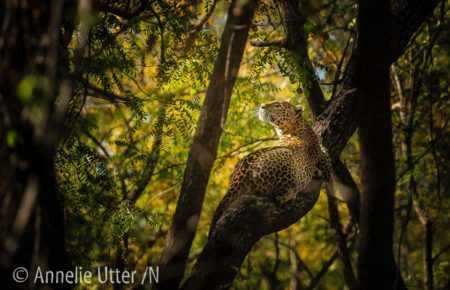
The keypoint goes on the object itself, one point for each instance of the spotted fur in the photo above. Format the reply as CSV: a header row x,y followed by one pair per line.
x,y
282,171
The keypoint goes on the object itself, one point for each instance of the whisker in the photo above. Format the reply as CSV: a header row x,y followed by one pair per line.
x,y
254,113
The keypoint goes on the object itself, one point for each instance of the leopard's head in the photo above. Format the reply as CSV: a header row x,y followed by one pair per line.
x,y
282,115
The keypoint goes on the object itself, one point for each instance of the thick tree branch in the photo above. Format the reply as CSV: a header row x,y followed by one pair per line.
x,y
347,188
297,45
246,220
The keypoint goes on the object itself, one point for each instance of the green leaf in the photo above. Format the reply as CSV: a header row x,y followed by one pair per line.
x,y
26,88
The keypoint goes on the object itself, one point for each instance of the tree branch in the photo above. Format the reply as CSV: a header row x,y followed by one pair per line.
x,y
106,8
347,188
297,45
244,222
435,257
189,42
270,43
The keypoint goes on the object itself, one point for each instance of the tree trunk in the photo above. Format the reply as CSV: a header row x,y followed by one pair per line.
x,y
203,150
31,218
376,265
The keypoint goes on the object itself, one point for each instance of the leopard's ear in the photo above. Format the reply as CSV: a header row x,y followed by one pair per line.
x,y
299,109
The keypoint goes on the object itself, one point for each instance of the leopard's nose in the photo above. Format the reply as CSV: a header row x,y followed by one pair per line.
x,y
263,106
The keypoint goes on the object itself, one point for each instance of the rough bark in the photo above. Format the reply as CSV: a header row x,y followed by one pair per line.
x,y
246,220
203,150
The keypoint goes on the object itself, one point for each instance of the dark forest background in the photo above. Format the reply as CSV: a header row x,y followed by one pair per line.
x,y
121,122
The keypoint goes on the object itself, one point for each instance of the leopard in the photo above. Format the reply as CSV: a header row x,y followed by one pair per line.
x,y
282,171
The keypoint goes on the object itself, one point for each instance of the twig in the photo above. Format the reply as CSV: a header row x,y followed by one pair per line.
x,y
441,252
297,256
97,142
191,38
339,67
322,271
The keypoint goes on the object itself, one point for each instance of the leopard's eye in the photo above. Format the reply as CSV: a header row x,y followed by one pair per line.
x,y
278,106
